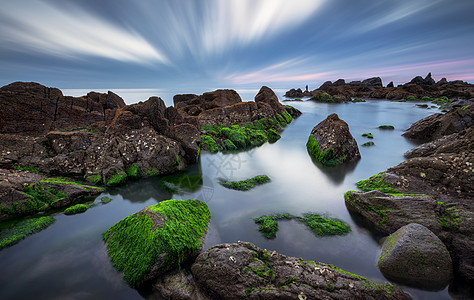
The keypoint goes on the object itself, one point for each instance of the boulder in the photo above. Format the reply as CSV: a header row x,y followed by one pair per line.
x,y
157,239
372,82
266,95
183,99
189,137
339,82
331,143
413,255
294,93
390,85
438,125
242,270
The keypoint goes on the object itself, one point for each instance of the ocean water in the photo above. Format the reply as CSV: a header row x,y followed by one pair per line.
x,y
68,260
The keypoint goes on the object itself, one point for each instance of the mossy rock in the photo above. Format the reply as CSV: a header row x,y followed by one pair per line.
x,y
368,144
247,184
387,127
76,209
157,239
17,230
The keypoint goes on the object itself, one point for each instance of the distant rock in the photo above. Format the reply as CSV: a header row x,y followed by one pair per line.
x,y
339,82
372,82
390,85
294,93
331,143
415,256
242,270
418,80
266,95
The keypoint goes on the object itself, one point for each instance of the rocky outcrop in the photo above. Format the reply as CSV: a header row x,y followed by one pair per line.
x,y
242,270
28,192
417,88
438,125
157,239
295,93
414,255
331,142
433,188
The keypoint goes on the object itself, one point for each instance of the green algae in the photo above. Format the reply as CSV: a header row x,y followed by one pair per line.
x,y
247,184
136,243
26,168
208,143
133,172
368,135
117,179
387,127
18,230
76,209
268,224
376,182
327,158
367,144
324,226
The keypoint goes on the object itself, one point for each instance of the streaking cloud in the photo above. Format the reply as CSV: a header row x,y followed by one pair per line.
x,y
43,28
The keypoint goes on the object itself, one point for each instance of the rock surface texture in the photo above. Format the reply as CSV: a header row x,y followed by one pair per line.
x,y
414,255
331,143
242,270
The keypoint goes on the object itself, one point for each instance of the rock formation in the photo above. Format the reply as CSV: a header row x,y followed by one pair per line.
x,y
415,256
331,143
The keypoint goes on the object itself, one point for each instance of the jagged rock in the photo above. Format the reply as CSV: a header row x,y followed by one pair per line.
x,y
390,85
442,81
414,255
266,95
326,84
189,137
183,99
242,270
294,93
331,143
339,82
418,80
438,125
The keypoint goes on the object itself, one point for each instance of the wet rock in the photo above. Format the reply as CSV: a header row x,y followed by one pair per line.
x,y
294,93
331,143
415,256
242,270
177,285
266,95
189,137
157,239
438,125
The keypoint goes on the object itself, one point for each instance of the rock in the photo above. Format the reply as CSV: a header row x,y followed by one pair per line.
x,y
242,270
438,125
157,239
418,80
331,143
390,85
462,103
25,193
339,82
177,286
266,95
189,137
294,93
355,83
326,84
183,100
442,81
372,82
413,255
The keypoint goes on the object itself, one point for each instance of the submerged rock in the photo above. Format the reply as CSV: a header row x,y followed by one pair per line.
x,y
331,143
242,270
157,239
415,256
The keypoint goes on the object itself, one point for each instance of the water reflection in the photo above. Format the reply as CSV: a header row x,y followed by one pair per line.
x,y
337,173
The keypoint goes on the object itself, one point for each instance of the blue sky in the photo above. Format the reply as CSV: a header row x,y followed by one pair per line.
x,y
232,43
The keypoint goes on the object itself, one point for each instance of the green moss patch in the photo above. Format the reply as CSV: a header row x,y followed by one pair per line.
x,y
268,224
327,158
368,135
25,168
448,216
376,182
105,200
356,100
133,172
231,138
117,179
247,184
170,230
387,127
76,209
13,233
324,226
181,183
367,144
324,97
319,225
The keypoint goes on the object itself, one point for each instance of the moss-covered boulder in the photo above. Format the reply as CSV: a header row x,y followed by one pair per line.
x,y
331,143
414,255
157,239
247,184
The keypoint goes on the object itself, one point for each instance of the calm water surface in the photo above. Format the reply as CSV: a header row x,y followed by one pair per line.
x,y
68,260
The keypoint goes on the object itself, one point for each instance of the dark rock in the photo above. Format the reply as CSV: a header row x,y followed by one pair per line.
x,y
189,137
390,85
339,82
442,81
266,95
219,98
242,270
372,82
438,125
429,80
294,93
183,100
415,256
331,143
326,84
418,80
355,83
177,286
462,103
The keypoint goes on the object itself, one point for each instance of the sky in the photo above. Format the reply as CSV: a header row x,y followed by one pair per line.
x,y
233,43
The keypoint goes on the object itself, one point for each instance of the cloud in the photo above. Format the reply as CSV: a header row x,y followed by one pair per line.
x,y
241,22
40,27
